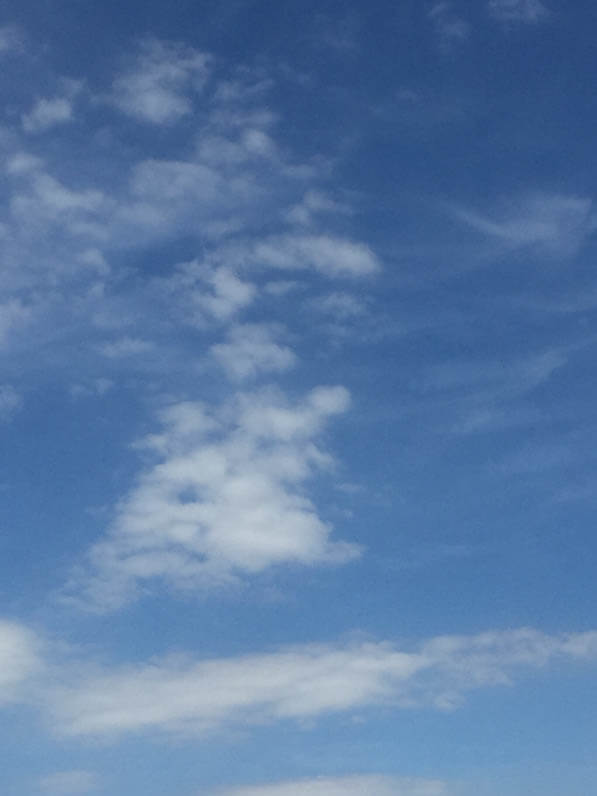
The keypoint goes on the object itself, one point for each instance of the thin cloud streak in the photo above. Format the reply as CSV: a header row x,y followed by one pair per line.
x,y
182,696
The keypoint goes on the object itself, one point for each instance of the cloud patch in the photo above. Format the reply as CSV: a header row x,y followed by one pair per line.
x,y
181,695
47,113
552,224
524,11
357,785
251,349
20,659
69,783
225,499
158,87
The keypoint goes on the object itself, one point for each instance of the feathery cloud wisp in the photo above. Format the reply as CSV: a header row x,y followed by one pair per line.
x,y
179,695
525,11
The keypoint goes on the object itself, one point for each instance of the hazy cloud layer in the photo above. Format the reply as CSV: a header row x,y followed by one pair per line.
x,y
343,786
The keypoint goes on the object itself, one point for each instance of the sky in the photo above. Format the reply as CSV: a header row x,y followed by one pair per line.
x,y
298,326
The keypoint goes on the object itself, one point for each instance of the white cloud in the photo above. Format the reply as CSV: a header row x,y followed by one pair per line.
x,y
11,39
484,393
97,387
517,10
332,256
449,27
551,223
226,498
125,347
19,659
312,204
250,350
47,202
356,785
63,783
10,401
205,293
494,379
23,163
181,695
339,305
158,88
226,150
47,113
13,315
178,196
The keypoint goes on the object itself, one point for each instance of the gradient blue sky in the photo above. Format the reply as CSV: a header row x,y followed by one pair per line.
x,y
298,331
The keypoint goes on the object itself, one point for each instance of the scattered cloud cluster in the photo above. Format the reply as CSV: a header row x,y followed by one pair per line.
x,y
226,489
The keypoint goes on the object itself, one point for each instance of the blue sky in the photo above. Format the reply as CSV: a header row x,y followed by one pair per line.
x,y
298,329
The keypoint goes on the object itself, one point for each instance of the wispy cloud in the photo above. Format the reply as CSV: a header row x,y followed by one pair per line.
x,y
20,659
125,347
552,224
159,85
449,27
226,498
10,401
357,785
14,314
524,11
63,783
11,39
47,113
180,695
485,393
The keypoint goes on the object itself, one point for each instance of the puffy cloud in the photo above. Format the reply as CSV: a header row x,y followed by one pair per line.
x,y
225,499
517,10
47,202
330,255
182,695
158,86
357,785
47,113
251,349
204,293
